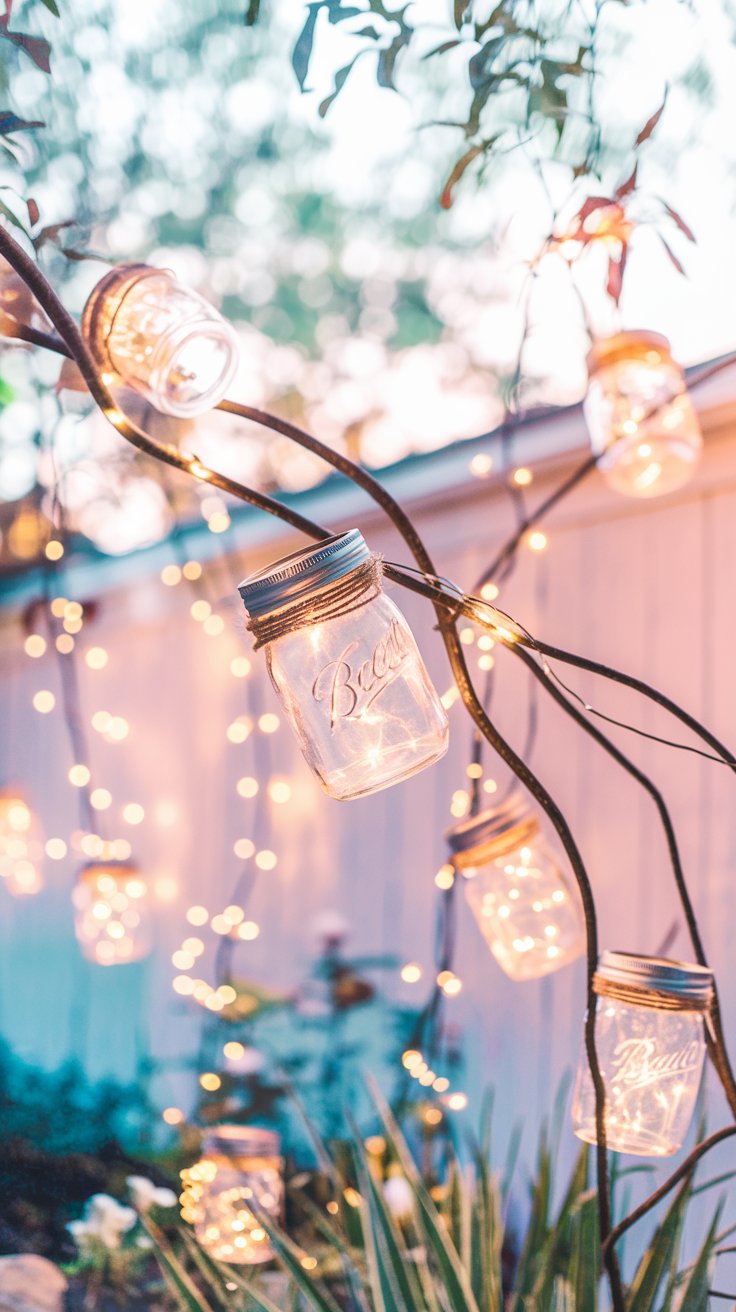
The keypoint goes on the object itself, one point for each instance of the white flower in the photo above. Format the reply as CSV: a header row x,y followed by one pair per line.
x,y
145,1194
399,1197
104,1222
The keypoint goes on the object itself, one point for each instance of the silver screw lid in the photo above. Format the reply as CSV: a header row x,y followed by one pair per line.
x,y
241,1141
295,577
679,979
487,826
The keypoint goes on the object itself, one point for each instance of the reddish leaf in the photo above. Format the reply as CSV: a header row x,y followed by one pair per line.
x,y
687,232
628,186
615,281
457,173
651,123
33,211
10,122
35,47
672,255
70,378
591,204
51,233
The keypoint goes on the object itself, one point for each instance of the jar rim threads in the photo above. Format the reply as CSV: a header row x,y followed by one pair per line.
x,y
629,344
492,833
234,1140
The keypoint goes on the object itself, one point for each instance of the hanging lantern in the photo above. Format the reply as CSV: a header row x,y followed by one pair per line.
x,y
240,1167
347,669
20,845
161,339
651,1045
640,417
527,909
112,918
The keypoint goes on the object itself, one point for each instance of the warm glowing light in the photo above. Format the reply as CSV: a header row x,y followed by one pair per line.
x,y
411,1059
244,848
199,610
133,813
352,1197
92,845
100,799
219,522
227,994
64,643
411,973
266,860
240,666
460,803
474,771
55,849
194,946
537,541
481,465
58,606
449,698
248,930
489,592
182,960
233,1050
79,776
247,786
183,985
118,729
54,549
239,730
213,626
171,575
44,701
490,786
457,1102
522,476
34,645
173,1115
486,662
219,925
441,1084
279,791
112,914
96,658
268,723
433,1116
467,636
234,914
192,570
197,915
445,877
210,1081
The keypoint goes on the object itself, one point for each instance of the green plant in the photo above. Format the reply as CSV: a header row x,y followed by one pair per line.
x,y
452,1249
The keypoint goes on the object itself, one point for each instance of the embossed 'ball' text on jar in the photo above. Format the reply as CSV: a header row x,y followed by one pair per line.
x,y
238,1176
345,665
650,1040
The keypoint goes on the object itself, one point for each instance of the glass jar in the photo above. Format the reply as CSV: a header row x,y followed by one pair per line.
x,y
240,1165
651,1044
640,417
346,667
20,845
527,909
112,918
161,339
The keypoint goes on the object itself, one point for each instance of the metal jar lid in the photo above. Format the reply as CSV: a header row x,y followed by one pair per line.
x,y
493,832
632,344
241,1141
658,975
303,573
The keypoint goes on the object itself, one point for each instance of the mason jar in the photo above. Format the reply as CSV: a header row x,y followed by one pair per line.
x,y
240,1168
526,907
345,665
161,339
650,1041
641,420
112,913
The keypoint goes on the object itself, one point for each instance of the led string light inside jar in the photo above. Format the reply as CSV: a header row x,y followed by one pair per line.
x,y
160,339
20,845
240,1168
112,918
651,1047
527,909
640,417
345,665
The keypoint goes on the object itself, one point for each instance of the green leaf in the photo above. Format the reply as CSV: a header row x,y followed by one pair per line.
x,y
252,12
661,1255
302,51
458,1290
585,1254
291,1258
695,1293
185,1292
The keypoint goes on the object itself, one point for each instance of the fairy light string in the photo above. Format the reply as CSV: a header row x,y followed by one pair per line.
x,y
449,605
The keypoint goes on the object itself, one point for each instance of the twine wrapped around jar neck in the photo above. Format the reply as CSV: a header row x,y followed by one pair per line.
x,y
657,999
349,593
